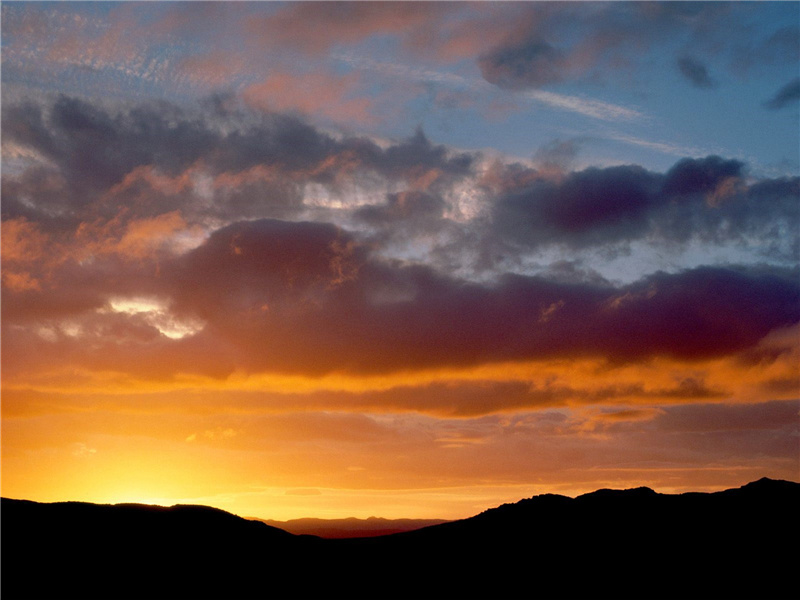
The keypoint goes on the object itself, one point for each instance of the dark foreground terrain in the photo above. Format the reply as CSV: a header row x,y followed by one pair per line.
x,y
352,527
740,543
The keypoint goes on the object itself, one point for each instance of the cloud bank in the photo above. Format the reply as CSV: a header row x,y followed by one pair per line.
x,y
158,241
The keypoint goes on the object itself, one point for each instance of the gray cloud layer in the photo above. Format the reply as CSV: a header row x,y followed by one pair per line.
x,y
297,294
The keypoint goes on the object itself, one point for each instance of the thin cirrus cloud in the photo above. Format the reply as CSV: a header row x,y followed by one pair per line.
x,y
588,107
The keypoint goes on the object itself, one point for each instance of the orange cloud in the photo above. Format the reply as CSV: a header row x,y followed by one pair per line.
x,y
142,235
22,249
164,183
153,374
22,241
20,281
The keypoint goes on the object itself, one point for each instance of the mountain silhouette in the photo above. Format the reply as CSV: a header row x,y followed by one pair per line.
x,y
738,543
350,527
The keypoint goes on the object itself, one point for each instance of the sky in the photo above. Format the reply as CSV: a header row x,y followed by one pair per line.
x,y
397,259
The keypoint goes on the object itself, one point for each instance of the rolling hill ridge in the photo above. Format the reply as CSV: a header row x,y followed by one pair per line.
x,y
350,527
738,543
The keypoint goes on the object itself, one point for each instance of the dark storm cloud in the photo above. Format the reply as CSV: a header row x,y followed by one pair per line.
x,y
414,153
788,95
305,297
95,149
700,176
41,194
707,199
148,160
92,151
113,190
695,72
587,207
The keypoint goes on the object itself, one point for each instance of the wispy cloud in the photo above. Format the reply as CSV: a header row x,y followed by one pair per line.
x,y
588,107
669,148
596,109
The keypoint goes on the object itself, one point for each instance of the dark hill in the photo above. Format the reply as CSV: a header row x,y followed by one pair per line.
x,y
351,527
740,543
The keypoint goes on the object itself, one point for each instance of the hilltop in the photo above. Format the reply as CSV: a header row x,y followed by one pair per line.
x,y
738,543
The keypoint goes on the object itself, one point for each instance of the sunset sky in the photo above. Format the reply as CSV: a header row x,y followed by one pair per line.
x,y
397,259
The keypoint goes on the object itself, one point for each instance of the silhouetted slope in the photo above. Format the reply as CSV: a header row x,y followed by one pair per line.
x,y
738,543
350,527
82,550
625,543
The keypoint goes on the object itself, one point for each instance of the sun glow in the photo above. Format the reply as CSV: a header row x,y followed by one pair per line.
x,y
294,269
157,314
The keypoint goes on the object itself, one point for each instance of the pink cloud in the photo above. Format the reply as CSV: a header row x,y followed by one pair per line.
x,y
314,93
211,69
315,28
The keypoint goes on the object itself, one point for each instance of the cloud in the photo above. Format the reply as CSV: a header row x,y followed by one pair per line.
x,y
779,47
248,278
585,106
403,206
216,160
212,69
312,93
73,134
266,246
707,199
531,63
541,48
425,319
317,28
788,95
695,72
557,155
700,176
151,177
308,299
609,202
547,45
667,148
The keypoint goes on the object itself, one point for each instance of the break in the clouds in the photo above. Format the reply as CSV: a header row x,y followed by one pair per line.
x,y
378,250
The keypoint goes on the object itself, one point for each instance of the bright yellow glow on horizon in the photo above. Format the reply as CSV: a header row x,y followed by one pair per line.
x,y
341,445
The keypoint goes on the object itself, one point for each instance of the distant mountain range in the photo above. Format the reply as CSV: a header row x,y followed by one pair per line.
x,y
739,543
351,527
